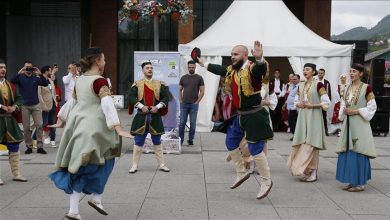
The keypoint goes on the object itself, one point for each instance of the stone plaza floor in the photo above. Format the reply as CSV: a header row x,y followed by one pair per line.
x,y
198,186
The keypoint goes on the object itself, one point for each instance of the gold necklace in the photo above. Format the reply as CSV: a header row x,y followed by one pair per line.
x,y
355,94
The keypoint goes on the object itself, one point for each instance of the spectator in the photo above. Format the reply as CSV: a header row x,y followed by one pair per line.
x,y
47,99
289,105
28,79
191,91
70,80
280,89
321,74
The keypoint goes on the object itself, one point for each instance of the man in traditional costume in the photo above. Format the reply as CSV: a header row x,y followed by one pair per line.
x,y
243,81
321,78
150,97
356,142
10,133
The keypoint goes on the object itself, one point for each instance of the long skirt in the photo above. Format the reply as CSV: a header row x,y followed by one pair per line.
x,y
89,179
353,168
303,160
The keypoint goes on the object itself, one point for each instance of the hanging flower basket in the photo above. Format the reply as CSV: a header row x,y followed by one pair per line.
x,y
175,16
134,16
178,10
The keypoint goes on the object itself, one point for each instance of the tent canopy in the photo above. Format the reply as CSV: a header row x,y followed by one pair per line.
x,y
270,22
281,34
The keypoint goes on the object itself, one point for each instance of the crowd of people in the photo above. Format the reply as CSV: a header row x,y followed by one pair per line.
x,y
92,136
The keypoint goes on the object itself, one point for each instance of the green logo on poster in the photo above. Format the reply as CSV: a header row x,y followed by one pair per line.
x,y
172,64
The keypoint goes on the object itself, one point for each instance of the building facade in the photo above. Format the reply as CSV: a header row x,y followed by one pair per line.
x,y
58,31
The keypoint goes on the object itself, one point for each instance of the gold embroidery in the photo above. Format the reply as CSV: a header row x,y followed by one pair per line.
x,y
140,130
104,91
322,91
370,96
243,80
154,84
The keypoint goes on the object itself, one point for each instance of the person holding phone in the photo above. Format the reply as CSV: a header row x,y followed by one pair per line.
x,y
28,79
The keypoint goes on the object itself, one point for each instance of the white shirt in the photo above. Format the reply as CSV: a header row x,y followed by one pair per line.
x,y
2,81
277,88
69,83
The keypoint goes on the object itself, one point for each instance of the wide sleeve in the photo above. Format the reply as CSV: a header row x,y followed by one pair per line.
x,y
66,79
101,88
66,108
217,69
273,99
341,111
369,111
325,101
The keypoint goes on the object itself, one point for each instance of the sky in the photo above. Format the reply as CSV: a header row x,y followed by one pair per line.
x,y
354,13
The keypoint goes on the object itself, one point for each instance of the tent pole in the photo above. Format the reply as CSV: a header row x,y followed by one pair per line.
x,y
156,33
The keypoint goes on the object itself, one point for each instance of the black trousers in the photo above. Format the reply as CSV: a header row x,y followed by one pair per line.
x,y
325,121
292,120
276,116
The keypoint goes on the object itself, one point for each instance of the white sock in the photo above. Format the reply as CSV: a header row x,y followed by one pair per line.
x,y
74,203
97,197
313,173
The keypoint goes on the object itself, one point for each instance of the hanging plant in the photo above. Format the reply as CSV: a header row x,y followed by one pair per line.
x,y
175,16
178,10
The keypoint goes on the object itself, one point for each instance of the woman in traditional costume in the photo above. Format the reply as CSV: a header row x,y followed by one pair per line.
x,y
91,138
309,136
340,90
356,143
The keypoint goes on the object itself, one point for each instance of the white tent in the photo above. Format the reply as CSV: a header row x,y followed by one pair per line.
x,y
281,34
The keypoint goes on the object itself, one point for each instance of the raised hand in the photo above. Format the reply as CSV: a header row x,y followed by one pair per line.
x,y
201,61
257,50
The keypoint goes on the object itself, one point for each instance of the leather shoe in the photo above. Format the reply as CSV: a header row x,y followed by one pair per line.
x,y
72,216
28,151
98,206
41,151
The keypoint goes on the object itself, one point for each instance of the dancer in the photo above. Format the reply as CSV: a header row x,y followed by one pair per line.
x,y
243,80
10,133
150,97
90,142
356,143
269,100
309,136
